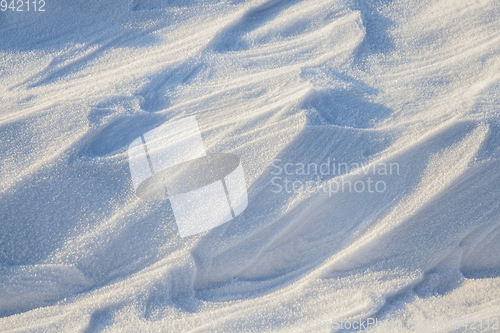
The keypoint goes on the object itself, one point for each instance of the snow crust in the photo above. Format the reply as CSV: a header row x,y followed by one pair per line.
x,y
408,84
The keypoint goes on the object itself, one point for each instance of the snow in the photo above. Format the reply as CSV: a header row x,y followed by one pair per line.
x,y
283,85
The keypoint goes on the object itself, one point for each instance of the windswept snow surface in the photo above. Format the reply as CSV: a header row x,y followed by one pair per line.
x,y
404,94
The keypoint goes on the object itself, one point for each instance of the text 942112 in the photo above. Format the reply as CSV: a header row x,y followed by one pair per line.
x,y
22,5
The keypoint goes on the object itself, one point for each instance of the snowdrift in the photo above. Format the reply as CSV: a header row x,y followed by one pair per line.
x,y
401,98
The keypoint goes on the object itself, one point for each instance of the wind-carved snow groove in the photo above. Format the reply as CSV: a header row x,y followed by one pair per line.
x,y
140,5
301,43
441,171
273,66
260,56
256,74
60,66
350,227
